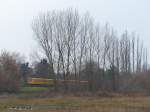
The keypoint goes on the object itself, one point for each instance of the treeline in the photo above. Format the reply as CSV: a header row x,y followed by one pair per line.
x,y
73,43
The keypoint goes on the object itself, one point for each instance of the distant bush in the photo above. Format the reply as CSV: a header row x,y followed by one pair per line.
x,y
9,73
138,83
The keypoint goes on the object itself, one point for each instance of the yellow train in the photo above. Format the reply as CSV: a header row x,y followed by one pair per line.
x,y
40,81
50,82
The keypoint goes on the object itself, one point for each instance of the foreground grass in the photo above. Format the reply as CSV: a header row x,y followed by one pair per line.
x,y
75,104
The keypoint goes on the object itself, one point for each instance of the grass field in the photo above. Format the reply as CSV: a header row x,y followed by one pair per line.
x,y
33,89
75,104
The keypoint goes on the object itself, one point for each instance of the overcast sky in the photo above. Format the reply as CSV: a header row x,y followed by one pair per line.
x,y
16,17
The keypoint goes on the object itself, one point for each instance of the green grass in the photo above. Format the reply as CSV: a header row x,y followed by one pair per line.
x,y
33,89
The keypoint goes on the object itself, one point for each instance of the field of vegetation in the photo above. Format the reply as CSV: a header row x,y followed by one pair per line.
x,y
64,103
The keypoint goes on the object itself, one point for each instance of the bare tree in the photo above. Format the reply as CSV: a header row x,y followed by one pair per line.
x,y
139,54
125,54
43,30
83,40
133,52
145,61
106,48
111,57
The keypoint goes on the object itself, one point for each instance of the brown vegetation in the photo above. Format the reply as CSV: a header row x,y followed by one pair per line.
x,y
76,104
9,73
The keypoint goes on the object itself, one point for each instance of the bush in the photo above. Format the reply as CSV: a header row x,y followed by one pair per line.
x,y
9,73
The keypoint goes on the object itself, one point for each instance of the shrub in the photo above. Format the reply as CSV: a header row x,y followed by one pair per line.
x,y
9,73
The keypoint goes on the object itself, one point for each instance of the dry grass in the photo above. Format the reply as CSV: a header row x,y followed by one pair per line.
x,y
76,104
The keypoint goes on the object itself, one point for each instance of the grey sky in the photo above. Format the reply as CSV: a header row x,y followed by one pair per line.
x,y
16,17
